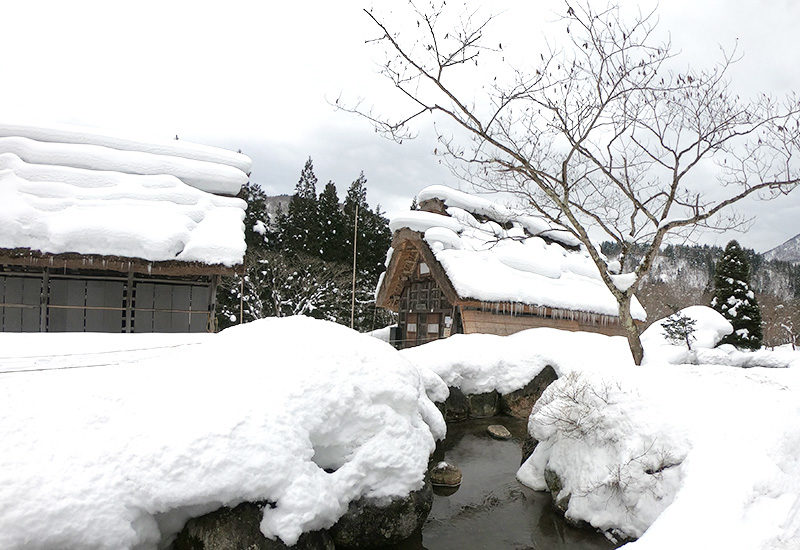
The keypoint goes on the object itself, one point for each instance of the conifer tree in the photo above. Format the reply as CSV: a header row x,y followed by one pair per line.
x,y
735,300
374,237
299,228
332,226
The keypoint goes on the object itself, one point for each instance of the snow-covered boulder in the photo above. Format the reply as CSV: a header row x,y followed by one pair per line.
x,y
304,414
709,329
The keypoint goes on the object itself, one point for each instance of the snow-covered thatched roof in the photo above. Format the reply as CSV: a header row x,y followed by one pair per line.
x,y
490,253
68,191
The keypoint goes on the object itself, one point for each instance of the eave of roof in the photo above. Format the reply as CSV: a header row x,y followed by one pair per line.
x,y
26,257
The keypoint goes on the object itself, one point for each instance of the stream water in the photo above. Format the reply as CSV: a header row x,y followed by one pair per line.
x,y
492,510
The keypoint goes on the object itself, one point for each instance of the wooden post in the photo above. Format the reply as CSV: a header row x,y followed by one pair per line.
x,y
241,300
129,304
44,298
353,291
212,305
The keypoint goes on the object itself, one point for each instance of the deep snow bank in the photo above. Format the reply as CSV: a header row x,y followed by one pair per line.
x,y
683,456
480,363
118,454
698,456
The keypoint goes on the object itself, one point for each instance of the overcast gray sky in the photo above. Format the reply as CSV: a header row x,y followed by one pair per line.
x,y
258,76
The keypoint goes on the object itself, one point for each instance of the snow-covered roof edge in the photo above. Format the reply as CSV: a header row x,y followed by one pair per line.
x,y
536,225
59,215
86,136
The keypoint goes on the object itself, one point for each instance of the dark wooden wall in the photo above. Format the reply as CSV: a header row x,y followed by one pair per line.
x,y
47,301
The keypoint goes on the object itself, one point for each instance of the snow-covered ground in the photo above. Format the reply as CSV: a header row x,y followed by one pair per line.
x,y
113,441
109,441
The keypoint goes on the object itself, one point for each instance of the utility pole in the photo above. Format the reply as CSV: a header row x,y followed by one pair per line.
x,y
353,291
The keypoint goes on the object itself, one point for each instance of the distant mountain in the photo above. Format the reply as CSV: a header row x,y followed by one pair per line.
x,y
787,252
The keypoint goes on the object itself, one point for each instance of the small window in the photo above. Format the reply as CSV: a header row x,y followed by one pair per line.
x,y
433,328
412,327
423,268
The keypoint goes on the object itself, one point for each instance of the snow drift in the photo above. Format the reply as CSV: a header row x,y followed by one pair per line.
x,y
700,456
118,454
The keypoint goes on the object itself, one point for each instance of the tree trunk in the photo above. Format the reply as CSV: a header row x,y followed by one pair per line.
x,y
631,330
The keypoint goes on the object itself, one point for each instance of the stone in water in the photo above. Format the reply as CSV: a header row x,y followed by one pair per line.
x,y
498,431
446,475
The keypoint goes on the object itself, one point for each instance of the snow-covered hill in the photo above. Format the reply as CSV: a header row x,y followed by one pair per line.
x,y
787,252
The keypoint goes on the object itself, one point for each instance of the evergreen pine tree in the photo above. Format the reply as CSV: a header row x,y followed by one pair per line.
x,y
374,237
735,300
332,226
679,329
299,228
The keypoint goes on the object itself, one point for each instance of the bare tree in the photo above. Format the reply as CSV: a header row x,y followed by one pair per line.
x,y
599,136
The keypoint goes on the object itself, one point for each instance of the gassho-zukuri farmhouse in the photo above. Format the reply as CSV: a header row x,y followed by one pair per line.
x,y
464,264
106,234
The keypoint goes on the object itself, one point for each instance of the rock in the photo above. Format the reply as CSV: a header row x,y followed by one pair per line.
x,y
456,406
519,403
483,405
460,406
498,431
238,529
446,475
528,446
370,524
556,488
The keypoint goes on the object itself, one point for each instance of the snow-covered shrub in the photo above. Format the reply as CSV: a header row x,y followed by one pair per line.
x,y
614,469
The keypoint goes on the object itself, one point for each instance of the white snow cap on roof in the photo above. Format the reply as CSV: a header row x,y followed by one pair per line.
x,y
533,262
56,208
174,148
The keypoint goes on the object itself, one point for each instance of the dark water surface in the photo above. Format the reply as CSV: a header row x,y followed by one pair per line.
x,y
491,509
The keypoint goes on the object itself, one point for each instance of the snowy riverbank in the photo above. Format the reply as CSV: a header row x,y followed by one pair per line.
x,y
682,455
118,451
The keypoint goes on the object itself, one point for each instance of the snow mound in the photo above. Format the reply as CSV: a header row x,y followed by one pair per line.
x,y
657,451
59,209
110,454
493,254
710,328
